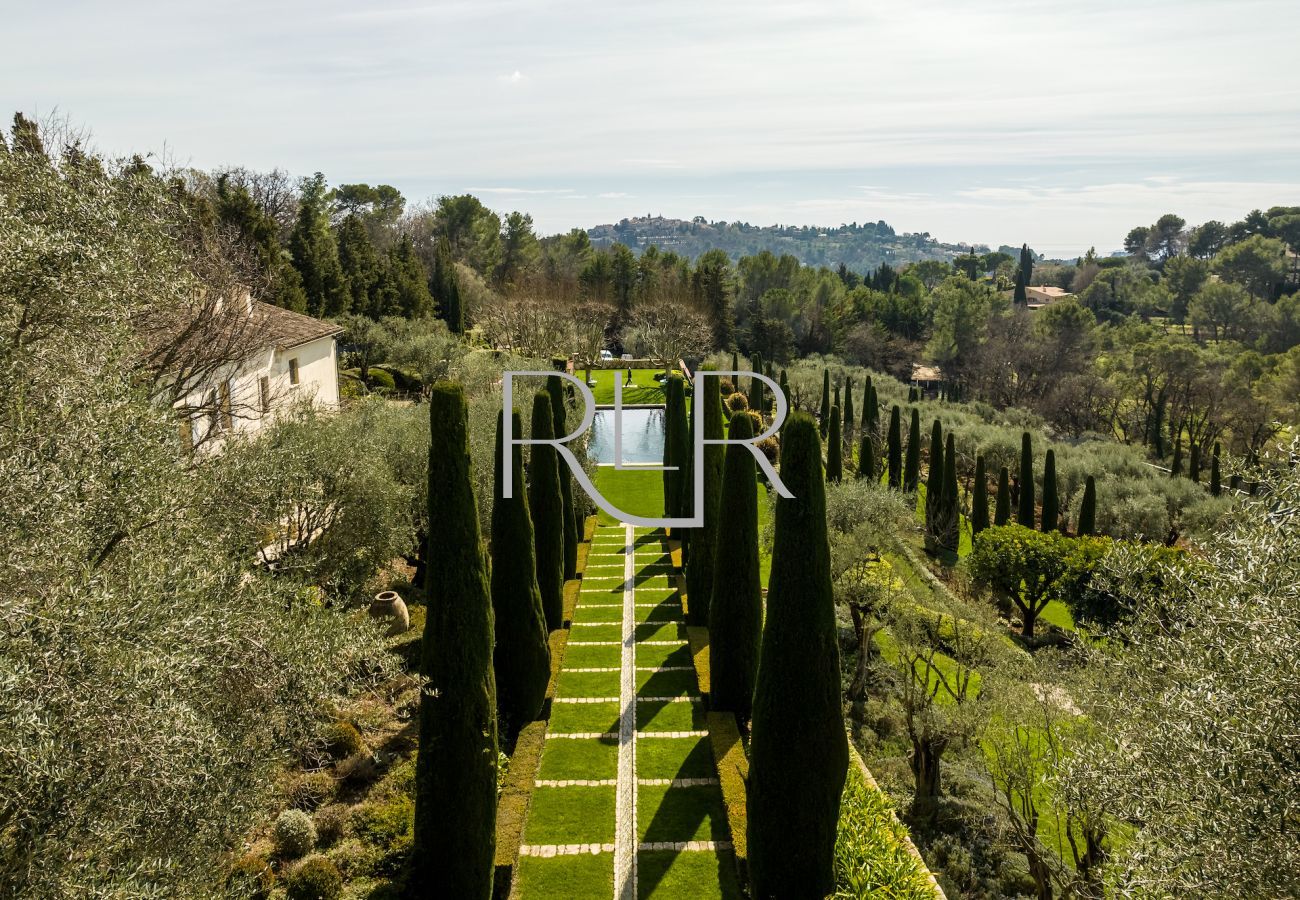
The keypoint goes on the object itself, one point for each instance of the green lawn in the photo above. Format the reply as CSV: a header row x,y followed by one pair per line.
x,y
643,389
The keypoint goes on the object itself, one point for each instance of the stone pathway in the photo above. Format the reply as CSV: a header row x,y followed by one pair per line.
x,y
627,803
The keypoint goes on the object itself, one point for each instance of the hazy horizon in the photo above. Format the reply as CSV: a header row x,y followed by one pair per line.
x,y
1061,124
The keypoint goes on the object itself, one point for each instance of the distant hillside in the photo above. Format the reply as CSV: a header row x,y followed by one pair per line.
x,y
860,247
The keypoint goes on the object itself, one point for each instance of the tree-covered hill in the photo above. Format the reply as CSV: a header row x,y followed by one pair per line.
x,y
860,247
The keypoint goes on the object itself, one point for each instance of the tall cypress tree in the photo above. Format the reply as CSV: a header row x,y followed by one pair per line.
x,y
1087,523
1025,510
848,408
824,415
1216,476
912,467
456,771
757,401
546,504
1051,505
522,656
895,448
315,252
835,450
1002,508
867,457
934,479
736,608
871,410
699,567
675,438
1194,463
979,501
798,754
559,412
950,508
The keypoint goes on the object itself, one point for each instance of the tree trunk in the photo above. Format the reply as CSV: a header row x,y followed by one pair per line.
x,y
924,761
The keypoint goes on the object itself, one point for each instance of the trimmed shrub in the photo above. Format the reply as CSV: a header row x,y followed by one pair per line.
x,y
799,749
895,448
737,401
315,878
456,774
330,821
700,563
559,412
1025,509
343,740
546,505
1087,521
293,834
380,381
736,608
311,790
835,449
912,467
251,877
521,659
1002,509
1051,505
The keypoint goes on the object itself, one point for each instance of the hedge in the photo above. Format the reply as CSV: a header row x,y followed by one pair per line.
x,y
512,807
733,773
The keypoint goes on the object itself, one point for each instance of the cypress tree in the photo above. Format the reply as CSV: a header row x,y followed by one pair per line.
x,y
824,414
834,450
934,478
867,457
1216,483
979,501
848,408
522,656
1051,505
559,412
1087,523
735,367
444,285
912,467
950,508
1176,467
1002,508
1025,511
546,504
835,398
699,568
871,410
456,771
675,438
315,252
736,608
895,448
798,754
757,402
1194,463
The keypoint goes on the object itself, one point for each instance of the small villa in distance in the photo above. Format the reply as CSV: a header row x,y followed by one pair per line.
x,y
1044,295
267,360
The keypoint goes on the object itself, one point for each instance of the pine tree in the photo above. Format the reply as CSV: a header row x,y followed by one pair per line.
x,y
522,657
895,449
1216,483
912,466
315,253
1051,505
736,608
1002,507
236,208
824,414
454,838
546,504
867,457
798,755
1087,523
979,501
835,450
934,480
675,439
559,413
1194,464
405,283
848,409
1025,510
699,567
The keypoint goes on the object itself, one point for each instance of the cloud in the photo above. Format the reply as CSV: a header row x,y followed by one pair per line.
x,y
518,190
615,195
514,78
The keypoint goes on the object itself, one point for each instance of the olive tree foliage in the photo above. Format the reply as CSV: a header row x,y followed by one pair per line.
x,y
863,519
151,677
1204,755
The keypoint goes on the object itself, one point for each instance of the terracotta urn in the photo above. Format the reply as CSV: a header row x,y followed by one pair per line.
x,y
388,605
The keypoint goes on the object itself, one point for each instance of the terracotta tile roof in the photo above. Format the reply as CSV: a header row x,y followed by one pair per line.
x,y
286,329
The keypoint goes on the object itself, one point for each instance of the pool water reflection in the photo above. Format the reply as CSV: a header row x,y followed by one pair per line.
x,y
643,436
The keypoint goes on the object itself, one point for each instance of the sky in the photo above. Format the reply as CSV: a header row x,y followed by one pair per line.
x,y
1054,122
